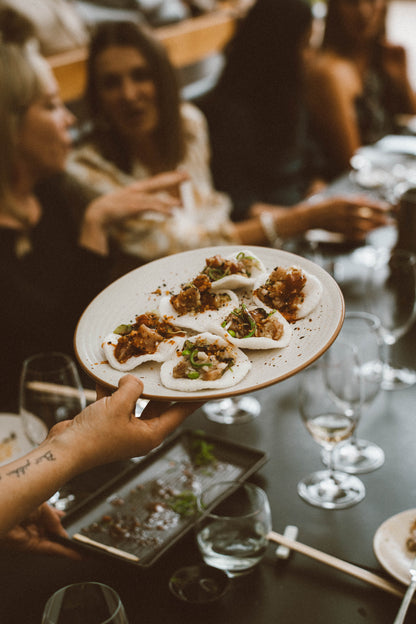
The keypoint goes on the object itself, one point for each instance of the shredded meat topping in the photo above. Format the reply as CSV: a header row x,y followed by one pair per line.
x,y
198,297
244,323
201,360
144,336
218,267
283,291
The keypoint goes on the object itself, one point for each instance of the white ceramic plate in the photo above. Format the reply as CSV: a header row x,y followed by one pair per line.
x,y
13,441
390,545
139,291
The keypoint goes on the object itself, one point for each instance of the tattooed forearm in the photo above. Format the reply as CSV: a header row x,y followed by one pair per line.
x,y
48,456
21,470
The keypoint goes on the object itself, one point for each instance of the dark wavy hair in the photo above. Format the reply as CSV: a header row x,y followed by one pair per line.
x,y
263,65
169,134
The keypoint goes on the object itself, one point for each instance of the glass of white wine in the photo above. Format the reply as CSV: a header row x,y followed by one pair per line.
x,y
329,423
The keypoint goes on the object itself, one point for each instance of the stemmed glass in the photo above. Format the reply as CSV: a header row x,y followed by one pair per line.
x,y
384,283
392,297
360,329
232,410
50,391
89,603
329,422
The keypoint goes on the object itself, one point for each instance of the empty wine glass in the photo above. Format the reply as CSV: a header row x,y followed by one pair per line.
x,y
383,282
392,297
232,410
89,603
50,391
361,329
329,422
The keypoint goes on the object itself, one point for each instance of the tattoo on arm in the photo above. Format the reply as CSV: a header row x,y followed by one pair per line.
x,y
21,470
48,456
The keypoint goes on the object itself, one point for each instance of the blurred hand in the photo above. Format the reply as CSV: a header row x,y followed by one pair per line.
x,y
158,194
33,534
355,217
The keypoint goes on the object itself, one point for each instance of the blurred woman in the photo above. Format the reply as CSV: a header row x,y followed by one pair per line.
x,y
49,268
360,81
262,149
140,127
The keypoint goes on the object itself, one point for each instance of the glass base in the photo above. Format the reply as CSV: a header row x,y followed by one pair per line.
x,y
356,456
397,378
232,411
331,490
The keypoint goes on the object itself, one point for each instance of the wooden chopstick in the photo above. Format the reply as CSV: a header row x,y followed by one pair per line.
x,y
109,549
339,564
43,386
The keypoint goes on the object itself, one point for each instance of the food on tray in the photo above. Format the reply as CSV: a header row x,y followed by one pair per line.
x,y
235,271
411,540
197,306
256,328
150,337
204,361
292,291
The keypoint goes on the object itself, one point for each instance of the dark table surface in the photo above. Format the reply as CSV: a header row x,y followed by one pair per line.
x,y
296,590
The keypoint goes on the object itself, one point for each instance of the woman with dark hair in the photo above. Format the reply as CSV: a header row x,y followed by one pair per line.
x,y
359,82
140,127
261,151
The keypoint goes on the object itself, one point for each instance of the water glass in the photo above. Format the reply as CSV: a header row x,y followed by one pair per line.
x,y
233,535
85,603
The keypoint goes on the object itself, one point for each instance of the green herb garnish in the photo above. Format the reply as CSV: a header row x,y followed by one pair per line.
x,y
184,503
123,329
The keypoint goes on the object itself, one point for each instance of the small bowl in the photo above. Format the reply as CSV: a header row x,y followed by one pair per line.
x,y
198,584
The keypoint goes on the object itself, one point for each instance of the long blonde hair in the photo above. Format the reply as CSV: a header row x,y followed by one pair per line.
x,y
21,85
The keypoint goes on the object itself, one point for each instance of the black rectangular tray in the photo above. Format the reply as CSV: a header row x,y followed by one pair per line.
x,y
132,516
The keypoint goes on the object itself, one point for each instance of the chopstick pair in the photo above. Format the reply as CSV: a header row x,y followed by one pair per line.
x,y
334,562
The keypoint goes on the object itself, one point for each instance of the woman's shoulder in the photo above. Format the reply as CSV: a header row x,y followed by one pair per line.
x,y
331,69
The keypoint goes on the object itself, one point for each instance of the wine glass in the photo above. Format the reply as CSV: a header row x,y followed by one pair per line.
x,y
384,282
50,391
360,329
232,410
89,603
329,422
392,297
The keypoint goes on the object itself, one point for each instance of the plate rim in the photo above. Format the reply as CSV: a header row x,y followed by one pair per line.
x,y
378,540
224,392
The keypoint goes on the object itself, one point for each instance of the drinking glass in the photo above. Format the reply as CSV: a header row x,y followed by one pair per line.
x,y
392,297
232,410
383,282
86,603
50,391
329,422
362,330
233,536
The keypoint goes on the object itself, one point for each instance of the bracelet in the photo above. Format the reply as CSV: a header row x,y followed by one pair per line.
x,y
269,228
